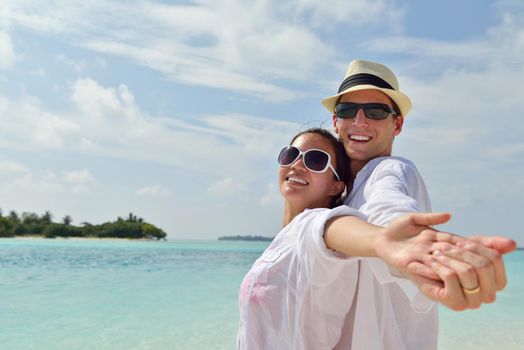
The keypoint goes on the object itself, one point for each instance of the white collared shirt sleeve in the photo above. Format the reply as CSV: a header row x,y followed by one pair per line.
x,y
394,188
322,264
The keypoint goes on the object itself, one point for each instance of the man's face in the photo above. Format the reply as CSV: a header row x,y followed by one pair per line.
x,y
363,138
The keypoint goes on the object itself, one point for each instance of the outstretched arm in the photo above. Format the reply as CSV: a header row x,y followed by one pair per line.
x,y
439,263
397,244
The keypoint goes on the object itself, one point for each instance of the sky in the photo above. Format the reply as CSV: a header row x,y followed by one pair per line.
x,y
176,110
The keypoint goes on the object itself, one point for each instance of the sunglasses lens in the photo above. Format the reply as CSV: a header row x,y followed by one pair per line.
x,y
288,155
346,110
375,113
316,160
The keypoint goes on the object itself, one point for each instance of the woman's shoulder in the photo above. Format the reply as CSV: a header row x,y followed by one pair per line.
x,y
324,214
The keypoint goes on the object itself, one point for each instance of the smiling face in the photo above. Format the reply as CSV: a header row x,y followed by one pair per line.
x,y
303,188
363,138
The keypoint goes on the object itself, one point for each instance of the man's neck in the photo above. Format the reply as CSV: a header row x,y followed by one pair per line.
x,y
355,166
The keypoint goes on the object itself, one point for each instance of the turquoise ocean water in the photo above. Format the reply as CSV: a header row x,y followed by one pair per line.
x,y
105,294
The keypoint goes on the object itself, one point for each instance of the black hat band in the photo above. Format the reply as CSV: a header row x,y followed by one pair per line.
x,y
364,79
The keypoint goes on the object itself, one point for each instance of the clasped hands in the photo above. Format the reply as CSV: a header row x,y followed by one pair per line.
x,y
461,273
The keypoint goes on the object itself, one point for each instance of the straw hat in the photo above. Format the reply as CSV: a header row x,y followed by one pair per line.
x,y
365,75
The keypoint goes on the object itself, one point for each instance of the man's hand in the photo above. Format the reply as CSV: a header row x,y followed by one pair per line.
x,y
410,239
457,272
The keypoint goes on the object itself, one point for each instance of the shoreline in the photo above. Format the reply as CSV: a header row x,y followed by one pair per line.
x,y
41,237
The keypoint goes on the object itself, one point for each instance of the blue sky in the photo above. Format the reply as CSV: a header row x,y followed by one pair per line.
x,y
175,110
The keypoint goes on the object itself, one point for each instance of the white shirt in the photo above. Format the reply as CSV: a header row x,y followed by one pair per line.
x,y
297,294
390,312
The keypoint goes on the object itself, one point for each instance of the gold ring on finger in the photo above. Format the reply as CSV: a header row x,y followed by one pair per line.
x,y
471,291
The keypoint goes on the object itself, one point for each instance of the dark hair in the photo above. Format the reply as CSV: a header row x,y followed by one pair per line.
x,y
341,159
395,108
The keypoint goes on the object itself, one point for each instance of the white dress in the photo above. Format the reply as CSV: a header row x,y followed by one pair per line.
x,y
297,294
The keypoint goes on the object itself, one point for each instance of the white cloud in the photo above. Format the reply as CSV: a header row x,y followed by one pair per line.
x,y
107,121
56,132
502,46
79,176
247,47
81,181
108,108
17,178
102,63
12,167
230,45
507,152
431,48
353,13
78,66
271,197
468,111
7,53
46,182
226,187
153,191
258,136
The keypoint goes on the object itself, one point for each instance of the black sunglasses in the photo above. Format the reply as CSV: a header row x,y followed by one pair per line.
x,y
315,160
375,111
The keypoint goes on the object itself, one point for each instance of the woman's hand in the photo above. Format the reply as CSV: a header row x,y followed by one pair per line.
x,y
457,272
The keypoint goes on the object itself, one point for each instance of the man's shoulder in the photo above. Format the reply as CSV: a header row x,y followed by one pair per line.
x,y
393,160
389,171
393,164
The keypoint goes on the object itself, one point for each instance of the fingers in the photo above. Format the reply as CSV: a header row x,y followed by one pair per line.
x,y
501,244
430,288
428,219
473,270
467,276
448,237
419,269
494,257
450,294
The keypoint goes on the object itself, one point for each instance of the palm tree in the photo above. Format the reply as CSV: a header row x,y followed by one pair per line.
x,y
46,217
67,220
13,216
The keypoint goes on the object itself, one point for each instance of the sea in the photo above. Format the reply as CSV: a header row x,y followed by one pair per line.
x,y
67,294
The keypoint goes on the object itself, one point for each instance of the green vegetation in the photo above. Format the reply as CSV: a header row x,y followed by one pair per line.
x,y
245,238
30,224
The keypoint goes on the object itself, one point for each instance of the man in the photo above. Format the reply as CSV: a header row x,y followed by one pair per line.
x,y
368,113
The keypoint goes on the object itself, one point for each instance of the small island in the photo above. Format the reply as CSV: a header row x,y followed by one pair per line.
x,y
31,224
245,238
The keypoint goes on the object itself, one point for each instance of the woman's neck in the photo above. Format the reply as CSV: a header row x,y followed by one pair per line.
x,y
292,210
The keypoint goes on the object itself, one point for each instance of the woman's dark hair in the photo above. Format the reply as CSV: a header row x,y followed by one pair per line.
x,y
341,159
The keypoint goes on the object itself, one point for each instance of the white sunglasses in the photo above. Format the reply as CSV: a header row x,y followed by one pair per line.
x,y
315,160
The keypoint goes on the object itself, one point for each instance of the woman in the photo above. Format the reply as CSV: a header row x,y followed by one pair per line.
x,y
298,293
